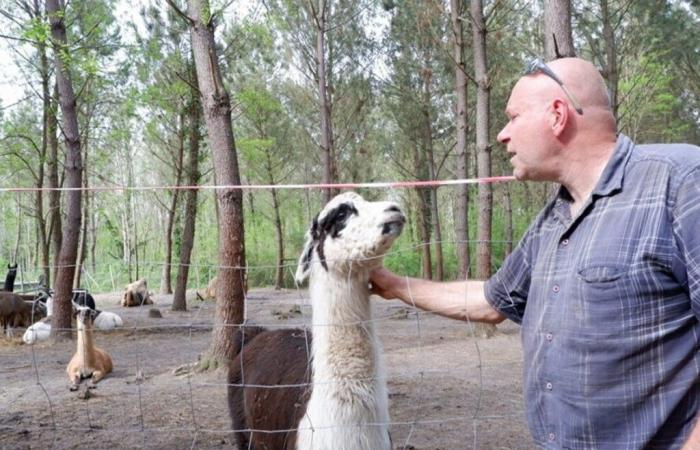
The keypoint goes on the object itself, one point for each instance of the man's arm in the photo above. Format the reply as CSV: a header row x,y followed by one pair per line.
x,y
463,300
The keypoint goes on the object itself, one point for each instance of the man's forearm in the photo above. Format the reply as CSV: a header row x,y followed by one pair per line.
x,y
463,300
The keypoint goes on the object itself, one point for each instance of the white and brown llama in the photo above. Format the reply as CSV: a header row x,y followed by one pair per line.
x,y
89,361
334,398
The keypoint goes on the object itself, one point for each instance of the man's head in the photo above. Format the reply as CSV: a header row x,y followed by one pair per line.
x,y
545,133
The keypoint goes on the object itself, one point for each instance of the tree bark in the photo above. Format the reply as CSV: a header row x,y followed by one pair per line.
x,y
324,100
483,143
61,323
279,233
610,71
165,278
217,115
55,220
462,131
180,299
558,40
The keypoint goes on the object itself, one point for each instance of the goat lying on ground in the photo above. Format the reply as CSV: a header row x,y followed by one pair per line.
x,y
18,313
137,294
41,330
346,406
88,361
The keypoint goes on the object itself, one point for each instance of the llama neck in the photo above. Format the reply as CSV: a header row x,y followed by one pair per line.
x,y
344,344
85,344
339,300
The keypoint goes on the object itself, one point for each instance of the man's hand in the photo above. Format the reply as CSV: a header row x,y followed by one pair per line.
x,y
384,283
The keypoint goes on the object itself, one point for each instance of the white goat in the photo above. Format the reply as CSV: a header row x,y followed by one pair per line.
x,y
347,406
41,330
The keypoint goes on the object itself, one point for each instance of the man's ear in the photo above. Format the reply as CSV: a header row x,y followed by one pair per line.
x,y
560,117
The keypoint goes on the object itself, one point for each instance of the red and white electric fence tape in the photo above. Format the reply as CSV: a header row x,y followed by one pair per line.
x,y
390,184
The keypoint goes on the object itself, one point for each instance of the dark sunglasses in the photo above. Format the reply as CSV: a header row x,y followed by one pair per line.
x,y
537,65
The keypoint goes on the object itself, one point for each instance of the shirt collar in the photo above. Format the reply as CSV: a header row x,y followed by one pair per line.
x,y
612,177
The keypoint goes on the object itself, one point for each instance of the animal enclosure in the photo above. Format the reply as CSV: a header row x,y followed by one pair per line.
x,y
447,389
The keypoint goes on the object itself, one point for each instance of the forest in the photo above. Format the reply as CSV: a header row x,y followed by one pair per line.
x,y
107,146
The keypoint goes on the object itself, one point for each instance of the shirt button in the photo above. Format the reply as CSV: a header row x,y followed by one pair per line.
x,y
549,337
565,242
552,437
548,386
555,288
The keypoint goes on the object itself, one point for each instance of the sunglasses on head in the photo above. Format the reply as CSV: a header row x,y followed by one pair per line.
x,y
537,65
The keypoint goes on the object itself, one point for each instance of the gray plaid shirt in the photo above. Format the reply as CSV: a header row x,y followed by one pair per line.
x,y
609,303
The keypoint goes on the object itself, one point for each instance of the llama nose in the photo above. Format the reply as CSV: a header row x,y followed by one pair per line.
x,y
395,225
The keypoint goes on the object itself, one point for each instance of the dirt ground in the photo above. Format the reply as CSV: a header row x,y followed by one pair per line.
x,y
448,390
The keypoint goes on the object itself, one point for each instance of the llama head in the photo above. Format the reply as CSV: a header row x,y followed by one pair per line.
x,y
350,233
84,316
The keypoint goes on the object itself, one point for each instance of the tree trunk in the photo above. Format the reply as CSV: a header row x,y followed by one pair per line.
x,y
324,100
61,322
462,130
428,147
483,152
279,234
56,225
180,299
165,279
509,234
82,243
558,41
483,144
217,114
423,214
611,72
44,233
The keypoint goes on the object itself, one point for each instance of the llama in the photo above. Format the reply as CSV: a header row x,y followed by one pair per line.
x,y
88,361
10,278
345,406
18,313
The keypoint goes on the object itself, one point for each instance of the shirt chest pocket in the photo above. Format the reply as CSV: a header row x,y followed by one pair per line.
x,y
625,282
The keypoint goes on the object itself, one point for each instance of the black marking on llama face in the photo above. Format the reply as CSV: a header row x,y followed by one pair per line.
x,y
331,225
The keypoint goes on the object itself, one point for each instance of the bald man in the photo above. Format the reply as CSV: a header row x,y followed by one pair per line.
x,y
605,282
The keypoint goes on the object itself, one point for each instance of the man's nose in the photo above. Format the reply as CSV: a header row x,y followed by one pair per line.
x,y
503,137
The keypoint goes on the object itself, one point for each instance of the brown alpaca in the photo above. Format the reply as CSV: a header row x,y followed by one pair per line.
x,y
88,361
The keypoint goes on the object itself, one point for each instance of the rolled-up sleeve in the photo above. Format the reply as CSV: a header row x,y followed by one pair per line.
x,y
686,224
506,291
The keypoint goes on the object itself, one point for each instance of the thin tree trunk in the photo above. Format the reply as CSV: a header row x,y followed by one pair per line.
x,y
483,152
279,234
462,130
423,214
82,245
217,114
165,278
61,322
610,72
428,143
483,143
46,106
18,234
93,236
558,40
509,234
324,100
179,299
56,225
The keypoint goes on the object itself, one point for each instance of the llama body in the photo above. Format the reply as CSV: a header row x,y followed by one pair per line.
x,y
346,405
88,361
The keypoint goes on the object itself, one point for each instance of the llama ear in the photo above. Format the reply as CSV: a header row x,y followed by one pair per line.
x,y
304,266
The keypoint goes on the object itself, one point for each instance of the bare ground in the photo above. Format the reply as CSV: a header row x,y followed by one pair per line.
x,y
448,389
